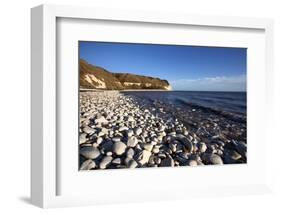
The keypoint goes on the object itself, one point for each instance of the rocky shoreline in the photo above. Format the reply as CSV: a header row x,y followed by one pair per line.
x,y
118,130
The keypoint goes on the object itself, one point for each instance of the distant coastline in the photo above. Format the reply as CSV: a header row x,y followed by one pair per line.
x,y
128,90
159,90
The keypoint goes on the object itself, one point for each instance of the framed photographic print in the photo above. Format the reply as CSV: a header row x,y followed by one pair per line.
x,y
148,105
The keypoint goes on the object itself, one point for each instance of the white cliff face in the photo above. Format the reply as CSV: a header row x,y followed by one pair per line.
x,y
131,84
91,79
169,88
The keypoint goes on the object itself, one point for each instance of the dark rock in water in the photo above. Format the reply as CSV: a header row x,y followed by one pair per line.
x,y
90,152
87,165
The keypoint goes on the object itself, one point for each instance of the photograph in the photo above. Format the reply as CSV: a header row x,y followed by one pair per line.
x,y
147,105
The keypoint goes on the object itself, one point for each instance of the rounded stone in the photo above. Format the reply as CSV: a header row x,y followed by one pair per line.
x,y
202,147
192,163
148,147
130,119
138,131
105,131
161,155
167,162
185,132
106,146
101,120
116,139
143,157
99,140
162,134
157,160
123,128
213,159
188,146
130,153
173,147
132,142
105,162
100,134
87,165
90,152
161,128
119,148
132,164
241,148
235,155
130,133
109,153
155,150
89,130
116,161
83,138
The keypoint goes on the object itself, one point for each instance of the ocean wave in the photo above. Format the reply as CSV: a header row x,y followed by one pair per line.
x,y
235,116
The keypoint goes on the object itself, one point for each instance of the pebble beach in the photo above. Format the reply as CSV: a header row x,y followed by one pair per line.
x,y
124,130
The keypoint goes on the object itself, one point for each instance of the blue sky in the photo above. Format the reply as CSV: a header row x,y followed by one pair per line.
x,y
191,68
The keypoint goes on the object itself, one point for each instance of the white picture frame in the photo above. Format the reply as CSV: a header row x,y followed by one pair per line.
x,y
44,153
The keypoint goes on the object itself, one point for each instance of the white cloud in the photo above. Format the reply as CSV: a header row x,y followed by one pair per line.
x,y
216,83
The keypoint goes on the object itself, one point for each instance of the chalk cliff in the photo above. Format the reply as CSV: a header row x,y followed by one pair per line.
x,y
94,77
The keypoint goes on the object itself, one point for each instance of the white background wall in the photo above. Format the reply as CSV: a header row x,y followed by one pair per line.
x,y
15,98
